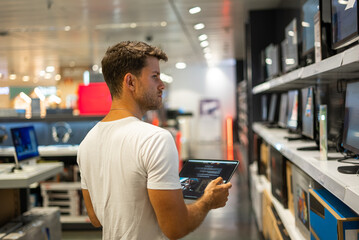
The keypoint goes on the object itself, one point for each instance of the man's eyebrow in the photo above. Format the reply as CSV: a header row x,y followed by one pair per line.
x,y
156,72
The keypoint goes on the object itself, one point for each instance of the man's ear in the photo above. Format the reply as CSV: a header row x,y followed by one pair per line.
x,y
130,81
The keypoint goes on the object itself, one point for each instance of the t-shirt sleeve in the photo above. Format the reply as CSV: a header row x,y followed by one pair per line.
x,y
83,180
160,159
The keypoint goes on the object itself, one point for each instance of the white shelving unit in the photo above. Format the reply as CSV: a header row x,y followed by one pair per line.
x,y
45,151
29,175
343,186
344,65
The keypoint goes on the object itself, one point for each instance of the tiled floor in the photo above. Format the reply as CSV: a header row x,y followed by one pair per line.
x,y
234,221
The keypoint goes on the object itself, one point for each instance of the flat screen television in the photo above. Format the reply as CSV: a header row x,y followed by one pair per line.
x,y
309,9
344,23
293,110
273,109
272,60
264,102
25,144
308,113
283,110
290,53
351,118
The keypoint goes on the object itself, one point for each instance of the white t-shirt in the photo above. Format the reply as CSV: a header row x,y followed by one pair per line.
x,y
119,161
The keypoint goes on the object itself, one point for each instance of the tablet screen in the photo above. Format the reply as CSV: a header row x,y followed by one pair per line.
x,y
197,173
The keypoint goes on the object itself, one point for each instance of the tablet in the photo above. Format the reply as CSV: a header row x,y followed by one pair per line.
x,y
197,173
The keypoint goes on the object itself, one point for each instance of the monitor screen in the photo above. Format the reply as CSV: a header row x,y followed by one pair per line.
x,y
264,108
25,143
351,123
293,107
272,108
308,112
344,23
309,9
291,53
272,60
283,110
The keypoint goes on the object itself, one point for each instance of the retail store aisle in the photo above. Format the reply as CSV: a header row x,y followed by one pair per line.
x,y
234,221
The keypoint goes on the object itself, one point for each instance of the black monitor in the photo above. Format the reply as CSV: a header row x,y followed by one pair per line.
x,y
25,143
283,110
293,110
309,9
272,60
308,113
273,109
264,107
344,23
351,122
290,47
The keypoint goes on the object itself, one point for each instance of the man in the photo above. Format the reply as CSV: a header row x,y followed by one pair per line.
x,y
129,168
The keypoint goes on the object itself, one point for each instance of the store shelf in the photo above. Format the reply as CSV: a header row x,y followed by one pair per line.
x,y
343,186
344,65
45,151
30,174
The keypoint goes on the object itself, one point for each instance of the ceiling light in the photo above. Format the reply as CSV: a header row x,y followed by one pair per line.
x,y
67,28
133,25
25,78
305,24
47,75
194,10
199,26
166,78
12,76
206,50
202,37
163,24
42,73
204,44
181,65
57,77
50,69
95,67
208,56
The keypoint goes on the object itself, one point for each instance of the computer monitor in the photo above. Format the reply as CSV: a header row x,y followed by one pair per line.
x,y
308,112
351,123
290,46
25,143
264,108
272,60
344,23
273,109
293,110
283,110
309,9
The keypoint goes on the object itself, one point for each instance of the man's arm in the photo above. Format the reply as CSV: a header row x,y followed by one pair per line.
x,y
90,212
176,219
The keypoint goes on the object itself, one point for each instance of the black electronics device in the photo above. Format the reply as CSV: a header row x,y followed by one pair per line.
x,y
294,111
309,9
283,110
272,61
278,176
344,23
290,56
351,124
25,143
273,109
264,102
197,173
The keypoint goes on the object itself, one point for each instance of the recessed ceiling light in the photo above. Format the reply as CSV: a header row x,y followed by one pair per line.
x,y
42,73
67,28
25,78
163,24
202,37
206,50
47,75
12,76
204,44
50,69
181,65
95,67
207,56
199,26
194,10
57,77
133,25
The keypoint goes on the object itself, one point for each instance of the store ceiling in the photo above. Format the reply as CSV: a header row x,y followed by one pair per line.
x,y
70,34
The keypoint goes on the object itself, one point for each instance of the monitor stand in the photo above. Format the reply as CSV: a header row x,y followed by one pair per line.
x,y
310,148
349,169
293,138
17,166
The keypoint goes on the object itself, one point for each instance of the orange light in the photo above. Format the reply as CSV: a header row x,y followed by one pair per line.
x,y
178,145
229,125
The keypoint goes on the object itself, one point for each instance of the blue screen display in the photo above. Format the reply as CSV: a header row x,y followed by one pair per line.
x,y
309,9
25,143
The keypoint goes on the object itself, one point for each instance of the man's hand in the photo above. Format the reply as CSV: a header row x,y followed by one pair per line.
x,y
216,194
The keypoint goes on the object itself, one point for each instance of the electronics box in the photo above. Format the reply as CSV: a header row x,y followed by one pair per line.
x,y
330,218
264,160
278,231
301,185
266,219
290,186
278,176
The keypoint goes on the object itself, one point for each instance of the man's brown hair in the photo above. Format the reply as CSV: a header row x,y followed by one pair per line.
x,y
126,57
